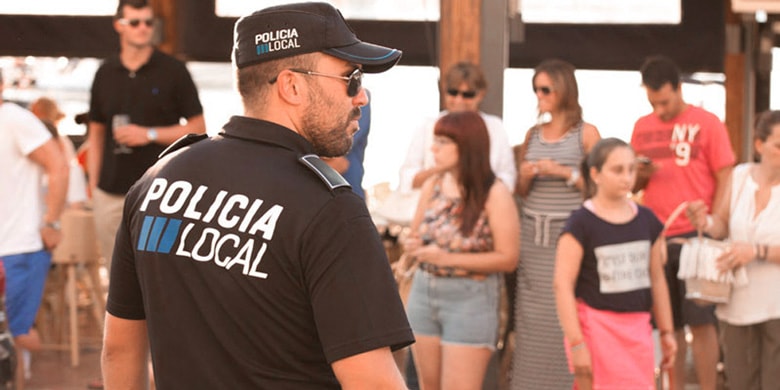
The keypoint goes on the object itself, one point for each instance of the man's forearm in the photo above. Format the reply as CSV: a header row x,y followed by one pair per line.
x,y
168,135
125,354
57,192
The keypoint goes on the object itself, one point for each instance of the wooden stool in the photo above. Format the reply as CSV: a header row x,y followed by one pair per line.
x,y
79,247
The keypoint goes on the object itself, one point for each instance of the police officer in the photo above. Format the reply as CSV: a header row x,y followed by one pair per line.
x,y
243,259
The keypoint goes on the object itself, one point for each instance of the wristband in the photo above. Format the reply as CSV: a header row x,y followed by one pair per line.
x,y
709,223
575,175
53,225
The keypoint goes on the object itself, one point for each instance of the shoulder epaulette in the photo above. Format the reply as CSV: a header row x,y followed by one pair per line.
x,y
185,140
328,175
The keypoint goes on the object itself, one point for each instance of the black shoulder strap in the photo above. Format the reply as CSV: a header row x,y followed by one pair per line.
x,y
328,175
184,141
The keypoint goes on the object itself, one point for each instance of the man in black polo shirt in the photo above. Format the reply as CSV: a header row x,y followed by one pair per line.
x,y
152,92
243,259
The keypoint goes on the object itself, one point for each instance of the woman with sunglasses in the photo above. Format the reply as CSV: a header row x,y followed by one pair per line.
x,y
548,184
463,87
464,234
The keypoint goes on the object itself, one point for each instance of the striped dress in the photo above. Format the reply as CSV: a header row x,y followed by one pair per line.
x,y
539,359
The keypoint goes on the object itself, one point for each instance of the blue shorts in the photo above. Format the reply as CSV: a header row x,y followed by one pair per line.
x,y
461,311
25,277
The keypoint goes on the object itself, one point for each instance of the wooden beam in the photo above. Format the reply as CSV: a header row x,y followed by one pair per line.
x,y
735,71
165,12
459,32
735,95
495,54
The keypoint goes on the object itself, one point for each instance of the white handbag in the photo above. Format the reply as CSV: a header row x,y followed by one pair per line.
x,y
704,283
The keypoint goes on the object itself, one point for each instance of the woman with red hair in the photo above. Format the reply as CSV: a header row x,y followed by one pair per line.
x,y
464,234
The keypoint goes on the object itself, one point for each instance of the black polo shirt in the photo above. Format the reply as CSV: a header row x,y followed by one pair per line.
x,y
250,269
160,93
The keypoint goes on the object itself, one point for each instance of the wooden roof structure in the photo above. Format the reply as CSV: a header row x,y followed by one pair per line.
x,y
710,38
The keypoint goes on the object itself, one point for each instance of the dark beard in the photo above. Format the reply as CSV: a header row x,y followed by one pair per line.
x,y
333,142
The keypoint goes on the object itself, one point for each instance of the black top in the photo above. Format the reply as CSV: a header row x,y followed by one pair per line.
x,y
160,93
615,270
251,269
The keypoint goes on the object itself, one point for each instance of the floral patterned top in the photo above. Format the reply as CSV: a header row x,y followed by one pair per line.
x,y
441,226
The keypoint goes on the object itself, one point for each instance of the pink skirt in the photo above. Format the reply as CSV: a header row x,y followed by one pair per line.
x,y
621,348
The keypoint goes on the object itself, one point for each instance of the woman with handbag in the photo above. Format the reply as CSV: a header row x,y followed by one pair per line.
x,y
748,215
464,234
609,278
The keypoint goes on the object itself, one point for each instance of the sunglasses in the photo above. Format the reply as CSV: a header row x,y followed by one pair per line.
x,y
466,94
137,22
544,90
354,80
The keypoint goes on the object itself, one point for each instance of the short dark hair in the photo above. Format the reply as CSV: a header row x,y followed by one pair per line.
x,y
465,72
252,81
137,4
659,70
765,122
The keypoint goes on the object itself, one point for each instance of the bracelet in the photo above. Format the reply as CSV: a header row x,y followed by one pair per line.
x,y
762,251
577,346
709,223
665,332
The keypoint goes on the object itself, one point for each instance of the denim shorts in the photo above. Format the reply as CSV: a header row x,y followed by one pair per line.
x,y
460,311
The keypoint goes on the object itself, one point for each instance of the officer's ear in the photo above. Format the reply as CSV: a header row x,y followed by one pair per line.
x,y
291,87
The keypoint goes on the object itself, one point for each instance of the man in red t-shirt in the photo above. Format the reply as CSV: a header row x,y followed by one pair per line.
x,y
690,158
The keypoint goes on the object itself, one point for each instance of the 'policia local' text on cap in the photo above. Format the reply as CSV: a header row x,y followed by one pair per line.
x,y
295,29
